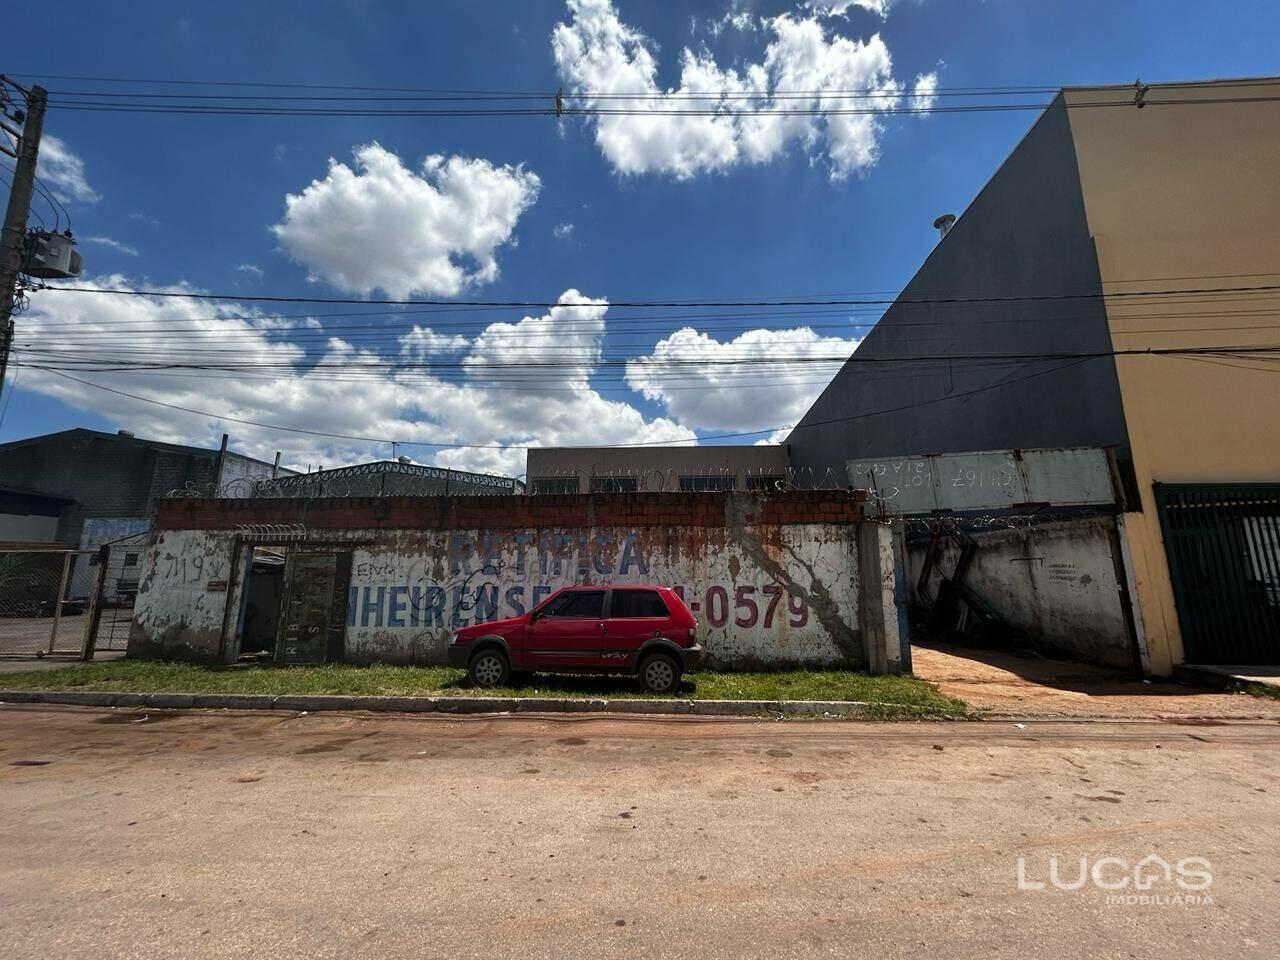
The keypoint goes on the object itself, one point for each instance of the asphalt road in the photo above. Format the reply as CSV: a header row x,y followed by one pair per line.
x,y
204,835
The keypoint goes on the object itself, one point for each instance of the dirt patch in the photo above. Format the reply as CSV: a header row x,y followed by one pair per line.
x,y
1008,682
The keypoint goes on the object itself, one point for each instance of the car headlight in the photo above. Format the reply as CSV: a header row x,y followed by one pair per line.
x,y
453,639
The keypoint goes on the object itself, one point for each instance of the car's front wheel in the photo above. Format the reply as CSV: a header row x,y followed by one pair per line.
x,y
659,673
489,668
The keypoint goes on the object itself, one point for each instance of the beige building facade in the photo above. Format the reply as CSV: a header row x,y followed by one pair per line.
x,y
1118,280
655,469
1188,189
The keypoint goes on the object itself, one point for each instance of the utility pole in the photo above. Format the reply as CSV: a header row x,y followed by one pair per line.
x,y
14,235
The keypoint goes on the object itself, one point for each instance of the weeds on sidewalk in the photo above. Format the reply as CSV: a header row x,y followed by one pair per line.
x,y
907,696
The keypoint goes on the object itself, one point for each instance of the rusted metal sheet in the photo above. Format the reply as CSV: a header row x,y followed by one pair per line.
x,y
986,479
311,578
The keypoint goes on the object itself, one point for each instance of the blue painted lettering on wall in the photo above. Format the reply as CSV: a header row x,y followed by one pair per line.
x,y
424,607
471,591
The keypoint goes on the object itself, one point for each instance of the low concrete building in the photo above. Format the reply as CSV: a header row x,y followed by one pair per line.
x,y
653,469
109,483
29,517
785,579
104,487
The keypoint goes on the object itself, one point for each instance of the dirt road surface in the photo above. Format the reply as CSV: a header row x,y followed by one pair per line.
x,y
210,835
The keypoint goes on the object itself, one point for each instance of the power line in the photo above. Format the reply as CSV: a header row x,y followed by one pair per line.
x,y
511,446
691,302
388,334
552,112
523,365
1072,362
443,307
315,85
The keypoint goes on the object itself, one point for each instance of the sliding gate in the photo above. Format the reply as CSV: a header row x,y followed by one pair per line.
x,y
1223,545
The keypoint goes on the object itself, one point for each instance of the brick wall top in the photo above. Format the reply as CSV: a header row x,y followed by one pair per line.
x,y
490,512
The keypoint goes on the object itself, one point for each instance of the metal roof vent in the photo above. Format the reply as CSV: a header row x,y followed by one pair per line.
x,y
404,459
944,223
125,433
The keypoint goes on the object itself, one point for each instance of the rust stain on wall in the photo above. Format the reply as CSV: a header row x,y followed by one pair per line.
x,y
772,580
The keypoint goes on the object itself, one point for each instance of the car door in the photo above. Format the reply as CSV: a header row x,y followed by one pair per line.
x,y
635,615
568,631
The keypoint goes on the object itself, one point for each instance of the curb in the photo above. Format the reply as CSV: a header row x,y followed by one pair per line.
x,y
460,705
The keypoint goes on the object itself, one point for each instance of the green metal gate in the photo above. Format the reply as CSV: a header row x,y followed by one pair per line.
x,y
1223,545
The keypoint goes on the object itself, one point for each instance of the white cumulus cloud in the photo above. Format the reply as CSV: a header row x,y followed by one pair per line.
x,y
114,244
924,92
606,63
379,225
841,8
423,343
63,172
722,385
426,385
562,231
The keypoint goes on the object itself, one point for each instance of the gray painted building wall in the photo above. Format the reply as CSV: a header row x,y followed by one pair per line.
x,y
107,475
1024,234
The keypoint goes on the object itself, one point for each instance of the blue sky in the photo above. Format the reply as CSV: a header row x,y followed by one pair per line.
x,y
526,208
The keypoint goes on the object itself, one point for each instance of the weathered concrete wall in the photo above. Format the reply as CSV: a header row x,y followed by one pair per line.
x,y
1054,583
773,580
761,596
882,608
182,595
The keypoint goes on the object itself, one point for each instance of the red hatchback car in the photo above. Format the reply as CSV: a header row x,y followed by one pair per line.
x,y
645,631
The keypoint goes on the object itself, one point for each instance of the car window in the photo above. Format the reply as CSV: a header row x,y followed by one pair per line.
x,y
630,604
580,604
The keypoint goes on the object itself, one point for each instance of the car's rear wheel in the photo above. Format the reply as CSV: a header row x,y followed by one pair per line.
x,y
489,668
659,673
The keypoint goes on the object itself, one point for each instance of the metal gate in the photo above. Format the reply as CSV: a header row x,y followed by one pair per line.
x,y
40,613
1223,545
119,565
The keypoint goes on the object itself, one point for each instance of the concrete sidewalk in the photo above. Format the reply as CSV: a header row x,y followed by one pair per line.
x,y
1217,674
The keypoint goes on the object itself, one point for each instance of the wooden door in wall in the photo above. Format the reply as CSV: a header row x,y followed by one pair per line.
x,y
314,613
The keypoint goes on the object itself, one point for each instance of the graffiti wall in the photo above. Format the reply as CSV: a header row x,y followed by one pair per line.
x,y
778,595
772,580
181,604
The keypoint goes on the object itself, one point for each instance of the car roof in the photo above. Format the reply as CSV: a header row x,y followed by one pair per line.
x,y
613,586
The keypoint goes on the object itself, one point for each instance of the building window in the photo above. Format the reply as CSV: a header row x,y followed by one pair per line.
x,y
767,482
713,484
614,485
547,485
130,559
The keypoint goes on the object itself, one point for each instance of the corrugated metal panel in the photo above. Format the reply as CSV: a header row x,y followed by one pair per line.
x,y
986,479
